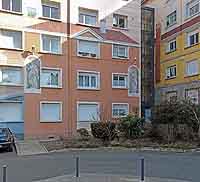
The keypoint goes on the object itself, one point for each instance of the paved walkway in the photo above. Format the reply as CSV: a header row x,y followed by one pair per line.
x,y
96,178
29,147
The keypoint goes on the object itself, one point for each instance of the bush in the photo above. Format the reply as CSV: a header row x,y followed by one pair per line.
x,y
105,131
132,126
83,132
180,117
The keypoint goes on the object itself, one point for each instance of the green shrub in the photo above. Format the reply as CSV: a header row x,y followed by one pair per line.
x,y
105,131
132,126
83,132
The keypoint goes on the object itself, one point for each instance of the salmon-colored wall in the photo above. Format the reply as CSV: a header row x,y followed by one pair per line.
x,y
33,127
69,95
106,66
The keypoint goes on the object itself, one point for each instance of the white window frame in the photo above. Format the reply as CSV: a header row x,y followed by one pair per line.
x,y
11,8
59,78
117,57
168,50
52,102
98,74
191,5
22,41
166,74
186,68
87,12
89,103
125,19
12,68
120,104
126,80
50,52
168,18
88,56
51,6
192,33
191,98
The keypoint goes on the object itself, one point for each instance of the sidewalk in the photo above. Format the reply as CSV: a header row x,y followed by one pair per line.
x,y
98,178
29,147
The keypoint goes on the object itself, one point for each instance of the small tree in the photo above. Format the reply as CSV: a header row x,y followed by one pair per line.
x,y
132,126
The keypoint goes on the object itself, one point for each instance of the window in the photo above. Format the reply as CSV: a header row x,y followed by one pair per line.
x,y
51,78
119,80
171,72
51,44
88,17
192,38
51,10
171,19
10,76
88,112
12,5
120,51
119,110
88,80
192,68
50,111
171,46
193,95
192,8
120,21
88,48
10,39
171,96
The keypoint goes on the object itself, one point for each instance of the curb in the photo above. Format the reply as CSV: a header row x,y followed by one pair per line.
x,y
144,149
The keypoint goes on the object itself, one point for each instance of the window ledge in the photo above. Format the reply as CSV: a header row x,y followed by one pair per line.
x,y
89,89
193,45
119,28
51,87
51,19
121,88
188,76
87,25
189,17
169,26
120,58
170,78
51,122
50,53
169,52
11,49
11,12
11,85
87,57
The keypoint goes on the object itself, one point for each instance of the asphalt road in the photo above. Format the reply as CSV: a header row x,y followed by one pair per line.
x,y
183,166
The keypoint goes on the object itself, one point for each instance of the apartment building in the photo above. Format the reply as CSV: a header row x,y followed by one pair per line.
x,y
65,64
177,59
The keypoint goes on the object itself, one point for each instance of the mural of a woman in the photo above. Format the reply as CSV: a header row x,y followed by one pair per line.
x,y
32,70
133,75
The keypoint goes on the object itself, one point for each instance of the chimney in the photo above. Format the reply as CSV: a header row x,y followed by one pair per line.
x,y
103,26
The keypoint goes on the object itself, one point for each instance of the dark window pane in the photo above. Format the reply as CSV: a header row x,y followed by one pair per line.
x,y
6,4
17,5
55,13
46,11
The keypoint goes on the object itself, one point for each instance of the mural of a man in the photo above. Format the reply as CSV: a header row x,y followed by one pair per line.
x,y
33,74
133,81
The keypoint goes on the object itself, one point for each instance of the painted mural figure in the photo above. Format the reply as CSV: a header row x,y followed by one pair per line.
x,y
33,74
133,81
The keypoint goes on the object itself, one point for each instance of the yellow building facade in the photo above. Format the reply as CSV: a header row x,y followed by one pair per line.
x,y
177,59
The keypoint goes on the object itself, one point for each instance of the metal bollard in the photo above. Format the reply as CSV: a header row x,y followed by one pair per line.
x,y
4,173
77,167
142,170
